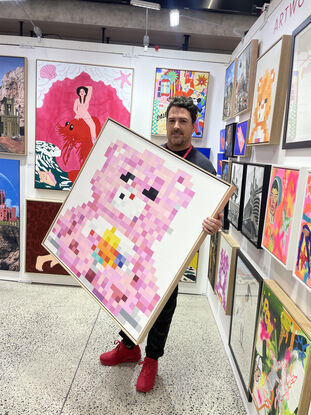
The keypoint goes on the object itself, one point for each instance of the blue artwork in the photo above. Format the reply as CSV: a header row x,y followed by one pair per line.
x,y
240,138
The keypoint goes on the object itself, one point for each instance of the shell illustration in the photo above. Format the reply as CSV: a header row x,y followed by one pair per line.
x,y
48,71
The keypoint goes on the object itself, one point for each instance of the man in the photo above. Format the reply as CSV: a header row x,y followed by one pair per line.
x,y
180,123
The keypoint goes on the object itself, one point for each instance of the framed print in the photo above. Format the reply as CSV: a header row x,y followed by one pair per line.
x,y
220,158
240,148
236,202
297,123
9,215
73,102
282,219
176,82
229,139
118,231
226,258
303,251
226,175
222,141
213,250
190,275
13,75
39,216
280,376
270,93
246,299
255,200
245,78
229,91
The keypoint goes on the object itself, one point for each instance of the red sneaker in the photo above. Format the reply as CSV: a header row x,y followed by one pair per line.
x,y
120,354
146,378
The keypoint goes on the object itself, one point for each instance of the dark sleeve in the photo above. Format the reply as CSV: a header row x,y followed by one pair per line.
x,y
200,160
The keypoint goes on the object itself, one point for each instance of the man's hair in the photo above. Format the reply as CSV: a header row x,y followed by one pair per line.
x,y
183,102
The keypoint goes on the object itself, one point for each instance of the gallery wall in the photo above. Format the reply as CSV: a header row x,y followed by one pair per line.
x,y
144,64
282,18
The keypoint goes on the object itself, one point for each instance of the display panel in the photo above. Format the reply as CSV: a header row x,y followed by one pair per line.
x,y
120,228
73,102
176,82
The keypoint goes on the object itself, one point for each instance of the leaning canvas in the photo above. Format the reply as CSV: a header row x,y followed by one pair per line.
x,y
177,82
280,376
9,215
73,102
13,98
124,231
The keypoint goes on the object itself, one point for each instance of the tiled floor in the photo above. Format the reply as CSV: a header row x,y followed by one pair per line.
x,y
50,341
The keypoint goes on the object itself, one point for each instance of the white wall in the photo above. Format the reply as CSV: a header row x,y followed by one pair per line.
x,y
144,64
282,18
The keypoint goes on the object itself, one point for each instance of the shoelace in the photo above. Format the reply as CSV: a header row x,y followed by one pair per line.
x,y
118,343
147,366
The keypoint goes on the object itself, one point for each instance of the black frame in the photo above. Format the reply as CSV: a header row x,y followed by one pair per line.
x,y
225,221
212,262
238,225
259,279
230,150
263,203
297,144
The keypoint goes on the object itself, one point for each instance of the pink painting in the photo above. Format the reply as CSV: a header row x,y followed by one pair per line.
x,y
280,210
73,103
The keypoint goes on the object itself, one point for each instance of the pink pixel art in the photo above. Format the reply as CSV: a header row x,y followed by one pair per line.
x,y
108,241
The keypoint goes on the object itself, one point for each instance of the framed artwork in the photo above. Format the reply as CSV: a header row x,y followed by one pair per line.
x,y
176,82
297,124
270,94
246,299
73,102
240,148
39,216
190,274
282,220
128,209
227,250
245,78
220,158
255,200
229,139
13,75
229,91
236,202
222,141
9,215
205,150
303,251
226,175
213,249
280,376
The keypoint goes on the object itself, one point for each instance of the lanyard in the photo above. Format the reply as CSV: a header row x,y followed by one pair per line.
x,y
186,153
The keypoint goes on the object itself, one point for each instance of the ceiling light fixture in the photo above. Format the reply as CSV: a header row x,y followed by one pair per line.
x,y
146,4
174,17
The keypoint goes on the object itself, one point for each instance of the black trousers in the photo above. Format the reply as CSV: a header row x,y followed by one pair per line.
x,y
158,333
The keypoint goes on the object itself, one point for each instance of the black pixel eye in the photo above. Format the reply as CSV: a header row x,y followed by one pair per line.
x,y
266,100
122,195
71,127
152,193
66,123
127,177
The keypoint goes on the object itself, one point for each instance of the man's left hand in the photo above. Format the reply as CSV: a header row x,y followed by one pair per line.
x,y
212,225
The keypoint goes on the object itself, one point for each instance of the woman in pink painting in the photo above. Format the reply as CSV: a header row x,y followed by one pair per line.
x,y
81,106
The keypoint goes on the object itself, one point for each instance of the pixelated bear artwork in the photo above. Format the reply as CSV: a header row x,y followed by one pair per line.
x,y
108,242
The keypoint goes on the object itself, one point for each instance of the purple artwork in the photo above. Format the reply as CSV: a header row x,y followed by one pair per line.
x,y
240,138
108,241
222,280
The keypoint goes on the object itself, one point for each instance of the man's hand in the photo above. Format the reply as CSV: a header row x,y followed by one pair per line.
x,y
212,225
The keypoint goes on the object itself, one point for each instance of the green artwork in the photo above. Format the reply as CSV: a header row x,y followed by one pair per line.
x,y
281,359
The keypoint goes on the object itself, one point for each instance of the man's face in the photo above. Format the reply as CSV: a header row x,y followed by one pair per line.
x,y
179,129
274,197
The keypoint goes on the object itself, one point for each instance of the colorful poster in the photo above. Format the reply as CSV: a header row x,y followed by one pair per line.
x,y
12,105
220,158
39,217
279,212
9,215
240,139
73,102
228,93
222,141
303,261
176,82
281,365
